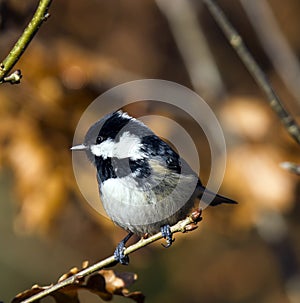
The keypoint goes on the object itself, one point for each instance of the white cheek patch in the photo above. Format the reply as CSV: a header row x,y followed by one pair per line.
x,y
128,147
103,149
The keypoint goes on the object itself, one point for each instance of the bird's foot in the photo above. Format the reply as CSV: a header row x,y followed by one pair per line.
x,y
119,254
119,251
167,234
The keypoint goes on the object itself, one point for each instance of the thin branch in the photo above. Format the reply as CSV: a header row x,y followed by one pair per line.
x,y
237,43
274,43
14,55
291,167
185,225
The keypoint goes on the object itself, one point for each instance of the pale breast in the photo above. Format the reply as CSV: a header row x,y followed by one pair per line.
x,y
145,209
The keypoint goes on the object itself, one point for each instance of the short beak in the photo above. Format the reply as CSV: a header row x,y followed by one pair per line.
x,y
79,147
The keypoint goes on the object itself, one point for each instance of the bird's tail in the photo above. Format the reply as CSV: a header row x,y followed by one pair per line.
x,y
209,197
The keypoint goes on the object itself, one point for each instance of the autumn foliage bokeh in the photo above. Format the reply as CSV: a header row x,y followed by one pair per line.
x,y
244,253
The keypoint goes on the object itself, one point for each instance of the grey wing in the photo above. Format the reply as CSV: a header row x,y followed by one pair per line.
x,y
170,174
165,155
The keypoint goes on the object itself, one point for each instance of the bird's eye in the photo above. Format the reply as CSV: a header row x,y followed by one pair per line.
x,y
99,139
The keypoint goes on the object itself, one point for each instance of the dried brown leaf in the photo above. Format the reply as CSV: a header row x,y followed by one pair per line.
x,y
105,284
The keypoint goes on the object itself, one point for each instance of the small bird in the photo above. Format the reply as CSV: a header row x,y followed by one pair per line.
x,y
144,185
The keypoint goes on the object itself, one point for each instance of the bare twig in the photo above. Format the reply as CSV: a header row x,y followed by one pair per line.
x,y
237,43
274,43
185,225
14,55
291,167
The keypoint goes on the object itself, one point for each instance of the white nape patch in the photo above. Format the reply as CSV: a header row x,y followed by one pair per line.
x,y
126,116
128,147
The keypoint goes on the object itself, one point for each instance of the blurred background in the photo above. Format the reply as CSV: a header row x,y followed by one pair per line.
x,y
244,253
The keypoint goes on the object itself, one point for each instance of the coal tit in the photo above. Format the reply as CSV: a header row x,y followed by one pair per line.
x,y
144,185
